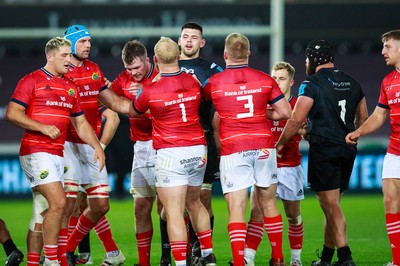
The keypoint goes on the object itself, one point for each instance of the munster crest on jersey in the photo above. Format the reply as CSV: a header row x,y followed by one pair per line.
x,y
95,76
71,92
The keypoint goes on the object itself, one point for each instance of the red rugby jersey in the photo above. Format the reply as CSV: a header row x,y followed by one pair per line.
x,y
90,81
240,95
174,103
290,152
140,126
49,100
389,98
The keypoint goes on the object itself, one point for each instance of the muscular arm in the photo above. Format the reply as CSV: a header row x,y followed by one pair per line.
x,y
294,123
16,115
116,103
86,133
281,110
110,126
375,121
361,113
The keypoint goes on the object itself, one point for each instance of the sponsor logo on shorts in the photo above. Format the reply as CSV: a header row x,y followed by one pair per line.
x,y
44,174
249,153
274,176
166,180
229,185
66,168
265,154
191,162
301,192
203,162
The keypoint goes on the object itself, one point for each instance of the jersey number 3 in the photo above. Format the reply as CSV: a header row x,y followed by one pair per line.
x,y
248,105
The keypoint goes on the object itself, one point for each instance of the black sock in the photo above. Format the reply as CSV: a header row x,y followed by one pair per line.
x,y
165,247
327,254
9,246
343,253
84,245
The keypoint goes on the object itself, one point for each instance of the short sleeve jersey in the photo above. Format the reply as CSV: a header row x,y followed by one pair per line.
x,y
290,152
140,127
90,81
173,102
49,100
336,96
389,98
203,69
241,95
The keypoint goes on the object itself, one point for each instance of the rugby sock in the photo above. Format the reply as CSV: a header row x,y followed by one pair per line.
x,y
393,230
82,228
103,230
206,244
296,233
84,245
255,232
274,227
62,246
327,254
178,249
343,253
50,252
32,259
165,246
9,246
237,235
143,241
72,224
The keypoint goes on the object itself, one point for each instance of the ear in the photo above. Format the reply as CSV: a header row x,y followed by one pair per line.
x,y
154,59
291,82
202,43
179,41
225,55
248,53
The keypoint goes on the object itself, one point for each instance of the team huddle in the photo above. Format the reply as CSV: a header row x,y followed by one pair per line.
x,y
192,123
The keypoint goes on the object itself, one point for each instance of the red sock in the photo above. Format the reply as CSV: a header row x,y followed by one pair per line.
x,y
296,233
237,235
274,227
50,252
62,246
81,230
205,239
32,259
103,230
73,221
178,249
393,230
143,241
255,232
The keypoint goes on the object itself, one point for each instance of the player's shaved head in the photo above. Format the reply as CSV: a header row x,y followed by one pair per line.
x,y
237,46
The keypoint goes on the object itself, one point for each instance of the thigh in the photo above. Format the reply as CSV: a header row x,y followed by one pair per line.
x,y
142,175
42,168
290,183
90,171
180,166
329,166
265,168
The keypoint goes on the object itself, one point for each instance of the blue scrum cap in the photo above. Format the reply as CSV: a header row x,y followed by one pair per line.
x,y
75,33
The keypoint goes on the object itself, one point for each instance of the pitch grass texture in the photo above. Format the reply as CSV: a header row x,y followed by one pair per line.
x,y
366,230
